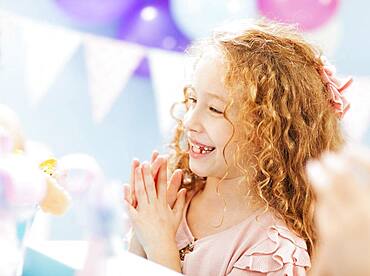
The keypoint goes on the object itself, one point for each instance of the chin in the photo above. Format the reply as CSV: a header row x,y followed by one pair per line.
x,y
196,169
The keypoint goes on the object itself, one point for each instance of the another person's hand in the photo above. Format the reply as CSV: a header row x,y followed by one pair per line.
x,y
342,185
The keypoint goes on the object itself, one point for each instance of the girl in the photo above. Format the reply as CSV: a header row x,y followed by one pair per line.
x,y
260,104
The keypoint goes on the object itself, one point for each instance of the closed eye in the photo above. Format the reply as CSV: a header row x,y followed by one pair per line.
x,y
192,100
215,110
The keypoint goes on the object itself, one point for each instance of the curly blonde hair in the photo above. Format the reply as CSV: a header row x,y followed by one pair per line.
x,y
284,115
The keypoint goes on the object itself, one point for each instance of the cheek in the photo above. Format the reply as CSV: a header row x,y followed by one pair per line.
x,y
222,138
228,155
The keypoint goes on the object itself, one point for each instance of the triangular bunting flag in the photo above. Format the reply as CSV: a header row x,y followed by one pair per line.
x,y
110,64
48,48
168,78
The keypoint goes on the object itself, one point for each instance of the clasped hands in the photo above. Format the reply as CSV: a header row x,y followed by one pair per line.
x,y
154,204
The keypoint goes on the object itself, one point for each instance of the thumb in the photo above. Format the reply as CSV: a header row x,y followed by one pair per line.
x,y
178,208
131,211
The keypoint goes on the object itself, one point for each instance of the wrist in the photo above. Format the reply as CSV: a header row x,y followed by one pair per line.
x,y
165,254
134,246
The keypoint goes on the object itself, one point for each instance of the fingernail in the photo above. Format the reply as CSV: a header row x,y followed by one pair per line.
x,y
316,174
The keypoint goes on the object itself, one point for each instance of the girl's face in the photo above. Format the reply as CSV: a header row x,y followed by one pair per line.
x,y
207,129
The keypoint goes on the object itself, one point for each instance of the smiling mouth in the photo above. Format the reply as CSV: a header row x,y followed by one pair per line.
x,y
200,149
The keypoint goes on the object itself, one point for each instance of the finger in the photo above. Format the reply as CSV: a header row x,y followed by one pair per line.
x,y
317,176
127,193
149,183
132,212
333,195
155,167
173,186
179,204
161,186
140,191
155,154
337,188
162,182
359,158
135,163
324,219
341,177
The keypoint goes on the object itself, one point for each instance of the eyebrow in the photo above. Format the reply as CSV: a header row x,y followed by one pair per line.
x,y
212,95
216,96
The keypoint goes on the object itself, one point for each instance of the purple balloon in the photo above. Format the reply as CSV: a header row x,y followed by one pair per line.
x,y
96,11
309,14
151,25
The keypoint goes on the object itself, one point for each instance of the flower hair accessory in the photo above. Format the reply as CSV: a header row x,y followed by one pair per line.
x,y
335,87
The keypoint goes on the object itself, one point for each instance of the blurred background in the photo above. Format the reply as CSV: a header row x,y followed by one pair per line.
x,y
98,77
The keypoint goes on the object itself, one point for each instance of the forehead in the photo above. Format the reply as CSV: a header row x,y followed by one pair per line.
x,y
209,74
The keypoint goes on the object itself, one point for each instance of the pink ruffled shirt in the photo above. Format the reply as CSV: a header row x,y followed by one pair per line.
x,y
259,245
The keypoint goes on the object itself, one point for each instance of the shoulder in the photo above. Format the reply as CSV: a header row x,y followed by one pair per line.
x,y
273,249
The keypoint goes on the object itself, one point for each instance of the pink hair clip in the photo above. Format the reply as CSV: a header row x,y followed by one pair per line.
x,y
336,87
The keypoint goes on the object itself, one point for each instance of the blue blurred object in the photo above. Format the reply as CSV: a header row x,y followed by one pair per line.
x,y
37,264
21,229
198,17
96,11
151,25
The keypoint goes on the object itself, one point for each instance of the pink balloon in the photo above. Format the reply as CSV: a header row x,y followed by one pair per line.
x,y
309,14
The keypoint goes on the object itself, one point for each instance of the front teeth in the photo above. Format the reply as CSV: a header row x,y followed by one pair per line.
x,y
196,146
202,150
205,148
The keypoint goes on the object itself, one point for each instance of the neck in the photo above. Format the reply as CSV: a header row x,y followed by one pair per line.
x,y
231,189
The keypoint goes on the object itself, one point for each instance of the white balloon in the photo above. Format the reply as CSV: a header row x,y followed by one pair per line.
x,y
197,18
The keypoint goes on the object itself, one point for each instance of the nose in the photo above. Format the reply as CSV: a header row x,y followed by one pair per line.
x,y
192,121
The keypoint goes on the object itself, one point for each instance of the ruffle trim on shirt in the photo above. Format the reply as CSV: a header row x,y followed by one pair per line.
x,y
280,252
